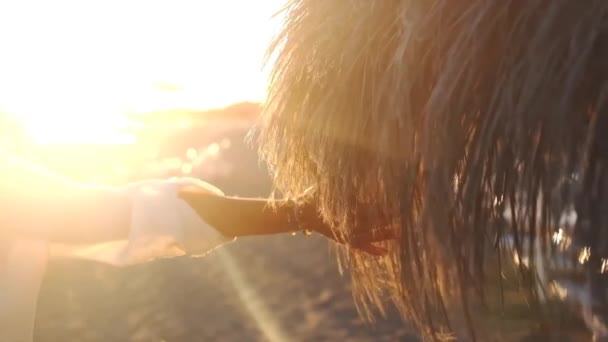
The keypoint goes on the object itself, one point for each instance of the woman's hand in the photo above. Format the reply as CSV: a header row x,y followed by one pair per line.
x,y
365,241
364,238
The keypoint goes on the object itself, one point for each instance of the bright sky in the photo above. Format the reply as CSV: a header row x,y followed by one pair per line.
x,y
83,64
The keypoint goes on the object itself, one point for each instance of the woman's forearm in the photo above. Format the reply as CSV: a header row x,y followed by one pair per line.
x,y
38,204
247,216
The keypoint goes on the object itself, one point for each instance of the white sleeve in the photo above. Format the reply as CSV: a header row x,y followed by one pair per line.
x,y
22,267
162,225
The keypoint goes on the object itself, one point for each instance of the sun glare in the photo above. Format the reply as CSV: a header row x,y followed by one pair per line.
x,y
73,70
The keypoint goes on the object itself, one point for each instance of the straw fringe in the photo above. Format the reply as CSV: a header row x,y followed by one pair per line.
x,y
434,115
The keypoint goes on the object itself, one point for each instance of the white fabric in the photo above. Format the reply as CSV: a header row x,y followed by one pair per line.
x,y
21,272
162,225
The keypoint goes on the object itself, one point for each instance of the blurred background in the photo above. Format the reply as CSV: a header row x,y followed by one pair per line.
x,y
116,91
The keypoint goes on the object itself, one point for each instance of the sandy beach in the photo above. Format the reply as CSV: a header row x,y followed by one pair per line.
x,y
283,288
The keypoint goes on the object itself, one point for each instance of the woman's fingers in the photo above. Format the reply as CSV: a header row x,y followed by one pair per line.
x,y
197,199
206,201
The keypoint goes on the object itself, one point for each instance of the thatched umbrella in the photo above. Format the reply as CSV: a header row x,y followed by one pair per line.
x,y
433,115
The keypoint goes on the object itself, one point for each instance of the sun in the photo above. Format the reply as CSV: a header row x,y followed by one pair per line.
x,y
72,71
68,113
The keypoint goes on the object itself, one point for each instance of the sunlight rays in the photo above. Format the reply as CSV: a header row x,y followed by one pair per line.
x,y
253,303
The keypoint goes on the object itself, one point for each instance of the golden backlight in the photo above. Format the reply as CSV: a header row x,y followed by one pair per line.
x,y
72,71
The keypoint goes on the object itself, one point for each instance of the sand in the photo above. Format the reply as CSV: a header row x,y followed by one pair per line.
x,y
283,288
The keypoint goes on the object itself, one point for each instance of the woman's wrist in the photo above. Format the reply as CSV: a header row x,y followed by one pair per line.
x,y
296,215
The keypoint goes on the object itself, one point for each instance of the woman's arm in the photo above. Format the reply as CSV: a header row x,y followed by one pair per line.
x,y
35,203
249,216
237,217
